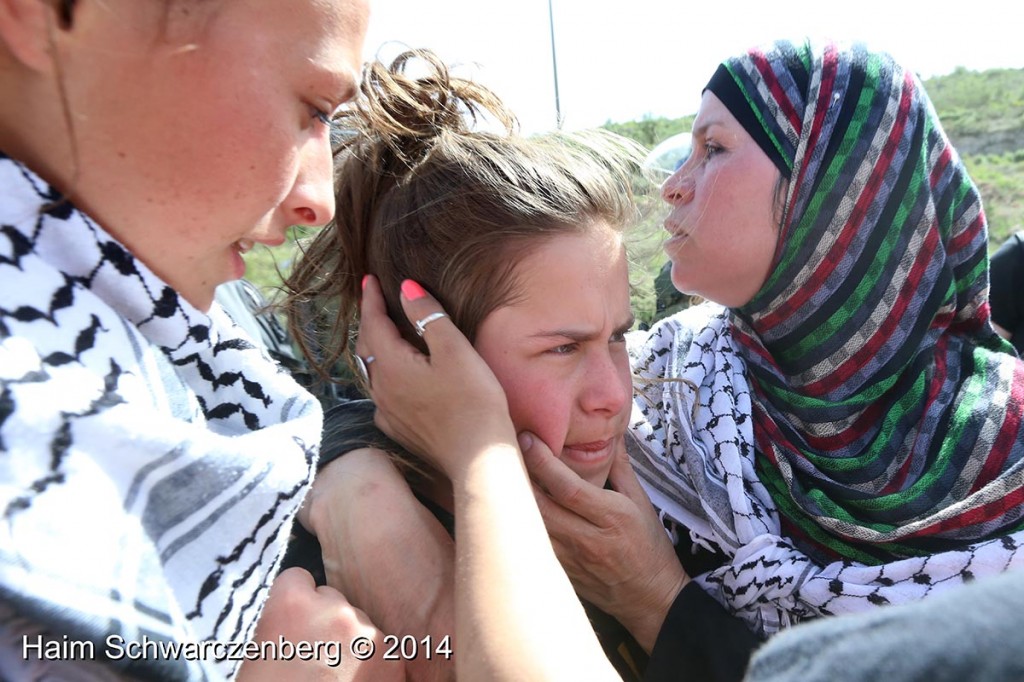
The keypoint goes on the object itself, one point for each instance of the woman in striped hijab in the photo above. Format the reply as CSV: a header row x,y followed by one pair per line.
x,y
841,426
856,438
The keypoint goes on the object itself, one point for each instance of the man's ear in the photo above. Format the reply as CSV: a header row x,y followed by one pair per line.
x,y
25,31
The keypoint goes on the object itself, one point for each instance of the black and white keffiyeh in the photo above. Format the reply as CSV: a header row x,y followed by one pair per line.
x,y
691,443
152,458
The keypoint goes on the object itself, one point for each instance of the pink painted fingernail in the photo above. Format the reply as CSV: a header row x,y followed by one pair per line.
x,y
412,291
365,279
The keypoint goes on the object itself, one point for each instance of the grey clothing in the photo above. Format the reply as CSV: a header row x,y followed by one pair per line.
x,y
972,633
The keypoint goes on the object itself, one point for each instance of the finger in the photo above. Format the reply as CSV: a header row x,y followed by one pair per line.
x,y
569,558
293,578
562,553
562,484
345,616
558,521
375,327
429,318
623,478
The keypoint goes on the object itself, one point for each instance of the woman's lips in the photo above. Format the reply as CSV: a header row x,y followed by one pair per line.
x,y
242,246
593,451
677,235
589,447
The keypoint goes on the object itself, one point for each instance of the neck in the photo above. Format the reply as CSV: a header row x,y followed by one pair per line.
x,y
32,128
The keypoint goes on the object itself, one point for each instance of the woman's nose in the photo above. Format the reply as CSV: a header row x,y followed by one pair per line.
x,y
678,189
609,386
312,198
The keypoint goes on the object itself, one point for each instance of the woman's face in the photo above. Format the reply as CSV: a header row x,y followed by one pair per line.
x,y
723,226
559,350
200,125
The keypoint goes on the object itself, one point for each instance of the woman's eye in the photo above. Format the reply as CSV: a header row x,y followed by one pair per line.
x,y
322,116
711,150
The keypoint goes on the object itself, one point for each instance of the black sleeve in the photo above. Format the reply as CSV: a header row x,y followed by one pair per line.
x,y
699,640
349,426
1006,293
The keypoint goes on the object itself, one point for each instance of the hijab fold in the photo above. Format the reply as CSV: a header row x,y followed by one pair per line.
x,y
886,409
852,436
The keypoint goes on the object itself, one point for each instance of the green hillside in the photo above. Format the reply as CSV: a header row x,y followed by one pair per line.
x,y
983,114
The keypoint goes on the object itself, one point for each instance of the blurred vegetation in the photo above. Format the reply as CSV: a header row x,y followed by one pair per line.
x,y
649,131
972,103
982,112
1000,179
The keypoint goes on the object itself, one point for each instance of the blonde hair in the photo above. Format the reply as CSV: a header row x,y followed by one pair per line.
x,y
422,194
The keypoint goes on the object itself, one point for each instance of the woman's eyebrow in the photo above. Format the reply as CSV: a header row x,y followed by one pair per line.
x,y
699,131
342,81
580,335
626,325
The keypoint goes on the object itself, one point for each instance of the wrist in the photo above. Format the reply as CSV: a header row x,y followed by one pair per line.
x,y
478,448
314,515
646,622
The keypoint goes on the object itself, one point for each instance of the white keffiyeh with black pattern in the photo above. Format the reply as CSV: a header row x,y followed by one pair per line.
x,y
152,458
691,443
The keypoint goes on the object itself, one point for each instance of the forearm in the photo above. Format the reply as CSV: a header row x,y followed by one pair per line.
x,y
513,601
386,553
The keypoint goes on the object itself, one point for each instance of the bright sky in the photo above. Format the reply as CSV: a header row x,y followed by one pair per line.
x,y
621,59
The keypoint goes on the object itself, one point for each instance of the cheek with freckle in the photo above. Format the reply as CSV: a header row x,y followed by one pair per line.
x,y
535,408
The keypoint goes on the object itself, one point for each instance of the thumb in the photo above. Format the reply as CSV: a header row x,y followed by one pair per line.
x,y
538,458
554,476
622,477
293,580
534,449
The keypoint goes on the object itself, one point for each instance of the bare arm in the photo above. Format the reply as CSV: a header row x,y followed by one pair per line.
x,y
517,615
387,554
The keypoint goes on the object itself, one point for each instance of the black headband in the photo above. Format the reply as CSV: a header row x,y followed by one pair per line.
x,y
725,88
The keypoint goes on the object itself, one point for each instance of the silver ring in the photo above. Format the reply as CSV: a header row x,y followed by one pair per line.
x,y
363,367
421,325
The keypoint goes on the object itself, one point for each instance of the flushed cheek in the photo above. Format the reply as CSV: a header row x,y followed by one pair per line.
x,y
533,408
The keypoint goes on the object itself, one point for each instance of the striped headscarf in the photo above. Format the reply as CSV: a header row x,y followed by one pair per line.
x,y
887,411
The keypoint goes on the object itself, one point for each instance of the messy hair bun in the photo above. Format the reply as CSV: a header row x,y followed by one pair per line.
x,y
424,193
405,115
